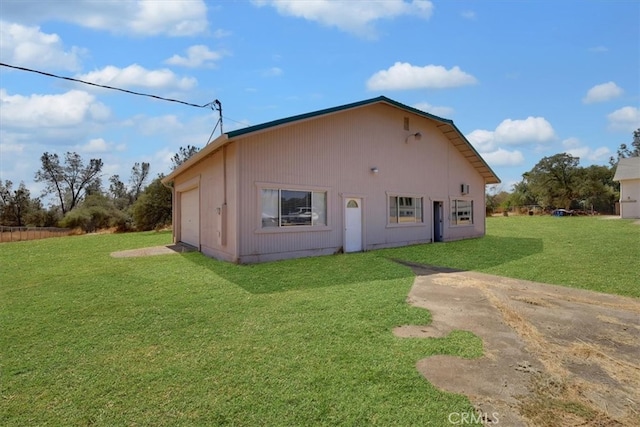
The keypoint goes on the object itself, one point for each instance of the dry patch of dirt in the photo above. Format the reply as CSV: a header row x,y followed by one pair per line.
x,y
552,355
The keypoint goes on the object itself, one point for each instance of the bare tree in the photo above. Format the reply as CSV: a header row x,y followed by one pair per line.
x,y
183,155
139,174
118,192
68,181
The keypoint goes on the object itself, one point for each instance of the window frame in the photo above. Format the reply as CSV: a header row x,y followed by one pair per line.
x,y
398,196
280,228
454,213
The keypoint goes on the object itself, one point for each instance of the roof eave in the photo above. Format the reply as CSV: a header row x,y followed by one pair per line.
x,y
197,157
475,159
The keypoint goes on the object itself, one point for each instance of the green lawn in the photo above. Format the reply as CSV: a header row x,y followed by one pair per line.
x,y
582,252
87,339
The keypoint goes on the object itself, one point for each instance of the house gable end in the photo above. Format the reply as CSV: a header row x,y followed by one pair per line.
x,y
447,127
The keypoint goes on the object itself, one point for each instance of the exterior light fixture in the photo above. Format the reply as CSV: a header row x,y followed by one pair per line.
x,y
374,170
417,136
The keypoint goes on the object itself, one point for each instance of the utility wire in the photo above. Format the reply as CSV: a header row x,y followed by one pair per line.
x,y
215,105
208,104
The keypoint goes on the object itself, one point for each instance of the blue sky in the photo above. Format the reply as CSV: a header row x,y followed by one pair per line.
x,y
521,79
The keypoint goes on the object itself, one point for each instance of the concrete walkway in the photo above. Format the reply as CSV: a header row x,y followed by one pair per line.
x,y
154,250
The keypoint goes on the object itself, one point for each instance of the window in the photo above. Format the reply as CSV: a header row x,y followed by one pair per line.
x,y
405,209
290,208
461,212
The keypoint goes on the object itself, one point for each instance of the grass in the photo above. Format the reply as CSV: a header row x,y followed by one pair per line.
x,y
582,252
87,339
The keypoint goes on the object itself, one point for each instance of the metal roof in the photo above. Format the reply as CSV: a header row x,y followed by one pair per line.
x,y
446,126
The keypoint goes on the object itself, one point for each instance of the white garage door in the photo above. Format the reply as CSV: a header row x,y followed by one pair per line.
x,y
190,217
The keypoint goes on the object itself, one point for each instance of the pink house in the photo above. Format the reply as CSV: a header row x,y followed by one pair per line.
x,y
367,175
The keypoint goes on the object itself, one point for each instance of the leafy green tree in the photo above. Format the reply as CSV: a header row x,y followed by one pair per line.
x,y
495,198
17,208
70,180
41,217
95,212
625,151
152,210
123,196
554,181
118,192
522,194
596,189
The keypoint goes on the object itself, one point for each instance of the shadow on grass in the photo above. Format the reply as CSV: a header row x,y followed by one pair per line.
x,y
464,255
384,264
305,273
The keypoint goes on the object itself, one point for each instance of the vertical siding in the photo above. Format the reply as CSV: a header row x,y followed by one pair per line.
x,y
337,152
460,172
215,172
630,198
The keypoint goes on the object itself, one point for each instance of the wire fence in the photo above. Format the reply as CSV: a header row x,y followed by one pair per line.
x,y
15,234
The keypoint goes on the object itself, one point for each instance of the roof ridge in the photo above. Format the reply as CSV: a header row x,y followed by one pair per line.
x,y
321,112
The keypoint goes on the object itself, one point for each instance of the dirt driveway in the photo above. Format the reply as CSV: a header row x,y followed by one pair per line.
x,y
553,356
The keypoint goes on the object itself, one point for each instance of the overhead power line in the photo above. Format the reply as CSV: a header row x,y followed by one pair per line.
x,y
211,104
215,104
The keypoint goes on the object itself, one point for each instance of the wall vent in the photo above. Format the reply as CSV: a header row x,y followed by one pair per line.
x,y
464,188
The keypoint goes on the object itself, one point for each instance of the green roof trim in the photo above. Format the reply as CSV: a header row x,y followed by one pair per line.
x,y
305,116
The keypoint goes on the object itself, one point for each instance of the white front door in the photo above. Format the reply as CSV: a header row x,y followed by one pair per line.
x,y
352,225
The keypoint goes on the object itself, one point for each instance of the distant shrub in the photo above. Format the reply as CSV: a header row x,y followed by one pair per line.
x,y
96,213
152,210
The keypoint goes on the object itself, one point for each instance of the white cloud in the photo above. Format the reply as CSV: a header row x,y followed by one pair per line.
x,y
142,17
624,119
356,17
99,145
603,92
469,14
403,75
272,72
135,75
96,145
160,125
599,49
574,147
176,18
197,56
482,140
11,148
65,110
532,129
28,46
220,33
502,157
432,109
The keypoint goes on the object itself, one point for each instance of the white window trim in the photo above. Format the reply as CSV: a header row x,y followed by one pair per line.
x,y
294,187
404,224
465,199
